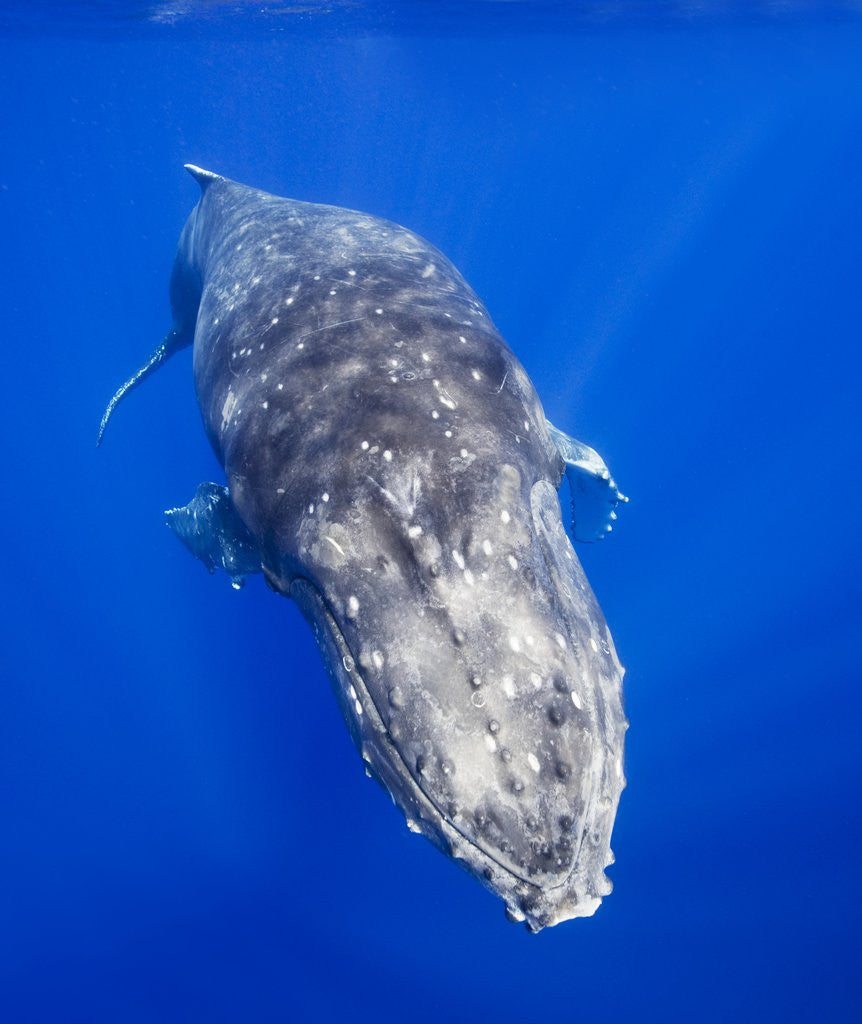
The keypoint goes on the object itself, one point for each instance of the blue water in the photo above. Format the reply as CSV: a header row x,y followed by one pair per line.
x,y
660,206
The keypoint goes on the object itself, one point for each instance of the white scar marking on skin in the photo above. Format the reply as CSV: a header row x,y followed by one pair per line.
x,y
336,545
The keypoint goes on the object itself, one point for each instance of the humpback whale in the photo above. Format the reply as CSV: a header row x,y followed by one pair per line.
x,y
390,468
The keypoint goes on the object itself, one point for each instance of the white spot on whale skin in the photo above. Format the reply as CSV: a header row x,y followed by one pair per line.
x,y
576,700
459,559
475,375
264,405
379,312
358,707
504,516
325,496
414,531
387,455
352,273
515,644
377,658
533,762
353,604
468,577
490,743
594,645
429,270
487,547
364,446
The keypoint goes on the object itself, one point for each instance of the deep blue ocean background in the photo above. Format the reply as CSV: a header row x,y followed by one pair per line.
x,y
660,206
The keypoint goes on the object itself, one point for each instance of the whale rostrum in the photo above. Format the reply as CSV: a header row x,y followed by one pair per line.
x,y
390,468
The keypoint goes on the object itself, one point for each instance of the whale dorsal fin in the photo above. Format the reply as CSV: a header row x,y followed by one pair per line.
x,y
202,177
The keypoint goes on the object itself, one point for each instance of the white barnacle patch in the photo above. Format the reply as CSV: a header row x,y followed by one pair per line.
x,y
458,558
504,515
414,531
311,509
447,433
274,321
594,645
288,301
487,547
317,277
379,311
351,273
325,496
332,291
462,339
352,604
513,562
281,387
264,405
576,700
446,400
475,374
435,415
279,490
357,707
426,358
533,762
364,446
429,270
387,455
352,691
464,453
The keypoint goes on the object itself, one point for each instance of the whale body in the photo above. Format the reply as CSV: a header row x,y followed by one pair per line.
x,y
390,468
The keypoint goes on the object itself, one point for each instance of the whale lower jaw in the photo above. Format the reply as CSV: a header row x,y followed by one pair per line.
x,y
536,906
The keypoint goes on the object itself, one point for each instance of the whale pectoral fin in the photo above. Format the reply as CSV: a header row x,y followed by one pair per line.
x,y
173,342
210,527
595,494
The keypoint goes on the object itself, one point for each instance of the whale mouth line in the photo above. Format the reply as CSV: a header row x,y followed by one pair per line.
x,y
444,823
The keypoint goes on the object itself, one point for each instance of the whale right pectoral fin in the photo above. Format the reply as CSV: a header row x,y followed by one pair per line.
x,y
210,527
595,494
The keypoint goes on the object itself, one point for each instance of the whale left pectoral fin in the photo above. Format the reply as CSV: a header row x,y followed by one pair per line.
x,y
595,494
210,527
173,342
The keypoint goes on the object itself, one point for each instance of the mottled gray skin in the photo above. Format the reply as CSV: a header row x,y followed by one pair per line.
x,y
390,457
